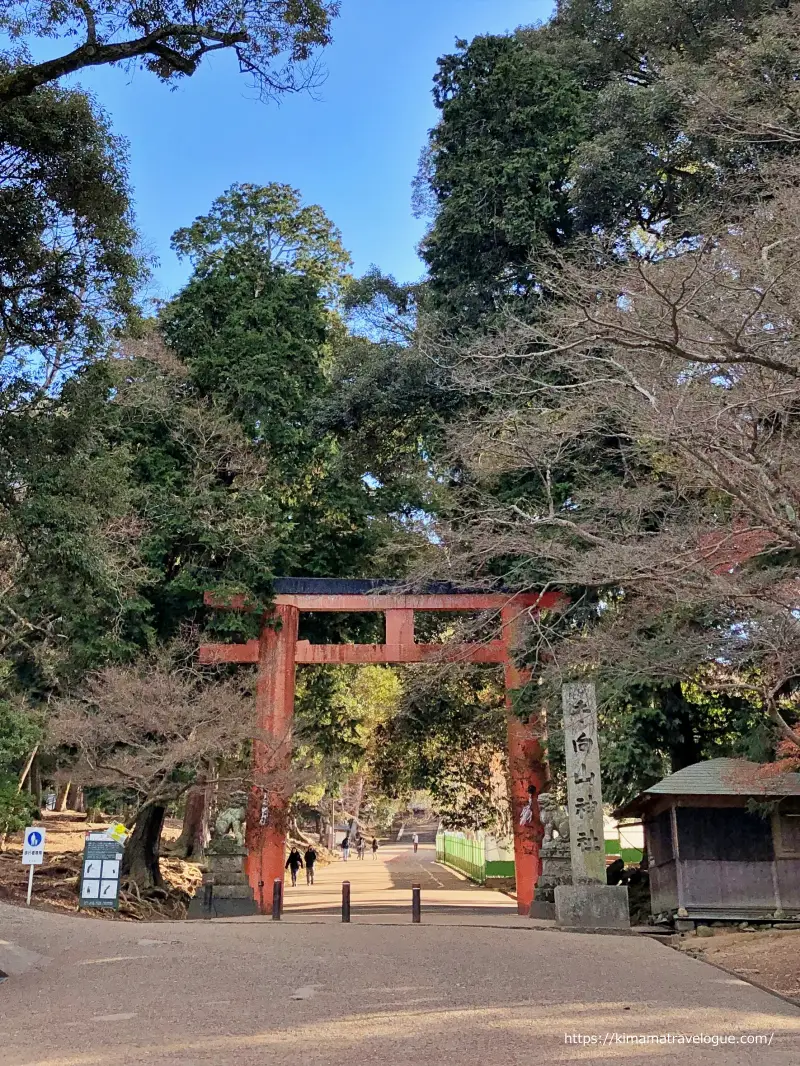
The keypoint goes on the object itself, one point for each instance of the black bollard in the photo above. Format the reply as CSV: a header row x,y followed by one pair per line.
x,y
277,899
345,901
416,904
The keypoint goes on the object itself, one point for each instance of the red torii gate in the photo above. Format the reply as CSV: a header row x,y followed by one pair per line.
x,y
277,651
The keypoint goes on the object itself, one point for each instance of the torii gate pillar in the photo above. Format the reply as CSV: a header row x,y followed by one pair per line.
x,y
272,752
527,775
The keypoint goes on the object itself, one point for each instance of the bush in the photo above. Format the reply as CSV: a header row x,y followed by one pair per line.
x,y
17,809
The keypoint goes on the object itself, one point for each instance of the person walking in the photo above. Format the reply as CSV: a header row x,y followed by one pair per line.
x,y
362,847
346,848
310,859
293,863
415,842
374,848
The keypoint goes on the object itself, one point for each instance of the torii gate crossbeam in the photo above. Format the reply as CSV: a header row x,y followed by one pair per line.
x,y
278,651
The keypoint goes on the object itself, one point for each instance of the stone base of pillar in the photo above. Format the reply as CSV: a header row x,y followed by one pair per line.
x,y
225,891
556,870
592,908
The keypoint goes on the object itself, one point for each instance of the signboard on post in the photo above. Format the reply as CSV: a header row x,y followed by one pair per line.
x,y
33,846
99,885
32,853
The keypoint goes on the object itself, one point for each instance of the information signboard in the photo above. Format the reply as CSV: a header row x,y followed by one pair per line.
x,y
99,885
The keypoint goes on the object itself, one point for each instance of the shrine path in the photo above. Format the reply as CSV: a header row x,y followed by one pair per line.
x,y
381,887
471,986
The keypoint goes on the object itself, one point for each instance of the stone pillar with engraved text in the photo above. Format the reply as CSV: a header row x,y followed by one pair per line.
x,y
584,792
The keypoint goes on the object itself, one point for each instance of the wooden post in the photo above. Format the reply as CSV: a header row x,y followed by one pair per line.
x,y
269,802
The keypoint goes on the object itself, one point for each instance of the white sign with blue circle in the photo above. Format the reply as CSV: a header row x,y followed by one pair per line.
x,y
33,846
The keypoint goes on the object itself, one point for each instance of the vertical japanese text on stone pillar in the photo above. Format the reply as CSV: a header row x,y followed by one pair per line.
x,y
584,794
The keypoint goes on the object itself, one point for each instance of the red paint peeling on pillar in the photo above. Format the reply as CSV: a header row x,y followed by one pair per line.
x,y
526,769
272,754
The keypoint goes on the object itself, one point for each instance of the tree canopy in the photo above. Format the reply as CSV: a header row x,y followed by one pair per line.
x,y
679,190
70,267
271,41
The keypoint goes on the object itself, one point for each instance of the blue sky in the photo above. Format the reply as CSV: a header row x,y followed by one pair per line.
x,y
353,149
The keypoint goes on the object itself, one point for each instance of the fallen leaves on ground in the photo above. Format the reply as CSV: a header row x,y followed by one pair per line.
x,y
55,881
771,958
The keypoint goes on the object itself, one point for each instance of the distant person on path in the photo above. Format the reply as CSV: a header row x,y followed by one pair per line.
x,y
374,848
362,847
293,863
415,842
346,848
310,858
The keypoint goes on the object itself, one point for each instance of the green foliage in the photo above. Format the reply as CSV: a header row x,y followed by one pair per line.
x,y
258,227
17,809
204,504
445,742
341,712
69,268
74,592
253,339
498,166
255,331
20,732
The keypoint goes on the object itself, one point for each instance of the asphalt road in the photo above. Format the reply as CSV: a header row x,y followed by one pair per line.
x,y
466,988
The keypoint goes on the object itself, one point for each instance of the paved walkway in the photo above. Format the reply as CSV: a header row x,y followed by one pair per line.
x,y
382,886
470,986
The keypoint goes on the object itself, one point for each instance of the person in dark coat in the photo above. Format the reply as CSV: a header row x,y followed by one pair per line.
x,y
293,863
310,859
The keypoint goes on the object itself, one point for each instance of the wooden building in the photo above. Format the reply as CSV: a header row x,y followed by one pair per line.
x,y
714,854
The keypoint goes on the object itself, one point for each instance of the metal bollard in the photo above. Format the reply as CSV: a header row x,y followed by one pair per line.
x,y
416,904
345,901
277,899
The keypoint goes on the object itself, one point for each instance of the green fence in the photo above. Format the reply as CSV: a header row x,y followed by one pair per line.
x,y
468,856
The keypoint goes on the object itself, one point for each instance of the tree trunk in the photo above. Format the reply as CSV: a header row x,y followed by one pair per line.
x,y
75,800
62,796
26,768
358,796
195,835
140,858
36,782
